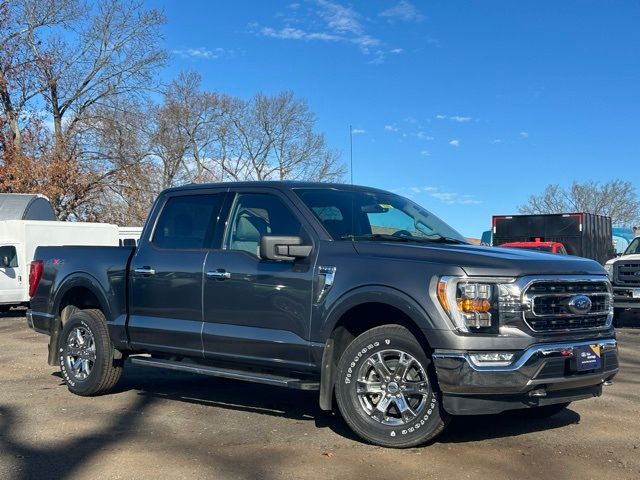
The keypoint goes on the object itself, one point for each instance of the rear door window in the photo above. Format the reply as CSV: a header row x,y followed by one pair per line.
x,y
187,222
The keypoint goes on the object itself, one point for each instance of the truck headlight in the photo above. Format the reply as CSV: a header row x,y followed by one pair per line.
x,y
609,269
471,303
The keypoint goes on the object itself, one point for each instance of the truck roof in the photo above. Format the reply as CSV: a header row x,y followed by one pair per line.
x,y
281,184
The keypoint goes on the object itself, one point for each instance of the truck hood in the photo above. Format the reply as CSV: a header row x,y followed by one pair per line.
x,y
484,261
632,258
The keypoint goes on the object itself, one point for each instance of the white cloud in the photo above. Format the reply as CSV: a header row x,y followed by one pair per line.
x,y
404,11
289,33
524,134
201,53
412,191
358,131
391,128
340,18
455,198
324,20
424,153
455,142
450,198
454,118
423,136
496,140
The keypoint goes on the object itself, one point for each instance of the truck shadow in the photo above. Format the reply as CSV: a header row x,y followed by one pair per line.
x,y
629,320
13,313
66,456
302,405
507,424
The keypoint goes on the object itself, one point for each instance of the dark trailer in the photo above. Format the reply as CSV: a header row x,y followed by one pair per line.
x,y
582,234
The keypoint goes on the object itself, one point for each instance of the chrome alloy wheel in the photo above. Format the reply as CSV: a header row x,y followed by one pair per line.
x,y
81,352
392,387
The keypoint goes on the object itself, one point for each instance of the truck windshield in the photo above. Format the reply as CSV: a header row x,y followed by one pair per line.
x,y
361,215
634,247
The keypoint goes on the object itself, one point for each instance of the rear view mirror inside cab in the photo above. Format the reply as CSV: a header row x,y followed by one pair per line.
x,y
374,208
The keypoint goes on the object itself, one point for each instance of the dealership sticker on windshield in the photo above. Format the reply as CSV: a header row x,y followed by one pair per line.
x,y
587,357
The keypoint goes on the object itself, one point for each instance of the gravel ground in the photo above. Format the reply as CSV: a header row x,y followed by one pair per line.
x,y
162,424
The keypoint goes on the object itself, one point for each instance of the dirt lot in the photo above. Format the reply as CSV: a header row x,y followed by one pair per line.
x,y
169,425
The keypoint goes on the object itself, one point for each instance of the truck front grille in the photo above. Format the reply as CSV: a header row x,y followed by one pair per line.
x,y
627,273
549,307
558,305
562,323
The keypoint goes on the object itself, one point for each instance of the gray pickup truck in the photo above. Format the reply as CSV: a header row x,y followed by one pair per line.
x,y
357,293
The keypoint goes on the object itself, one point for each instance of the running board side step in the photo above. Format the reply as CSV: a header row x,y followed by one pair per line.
x,y
256,377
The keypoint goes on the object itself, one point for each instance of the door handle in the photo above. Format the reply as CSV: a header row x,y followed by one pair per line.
x,y
144,271
220,274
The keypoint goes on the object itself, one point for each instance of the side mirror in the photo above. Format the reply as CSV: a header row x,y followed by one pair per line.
x,y
283,248
6,263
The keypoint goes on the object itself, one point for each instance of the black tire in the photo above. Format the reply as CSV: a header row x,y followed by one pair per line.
x,y
387,426
101,372
618,321
546,411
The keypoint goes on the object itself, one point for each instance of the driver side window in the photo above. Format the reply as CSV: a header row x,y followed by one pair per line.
x,y
255,215
8,256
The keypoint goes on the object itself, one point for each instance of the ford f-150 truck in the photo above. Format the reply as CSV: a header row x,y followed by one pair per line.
x,y
357,293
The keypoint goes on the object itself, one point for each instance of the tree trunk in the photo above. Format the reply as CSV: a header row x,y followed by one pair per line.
x,y
12,116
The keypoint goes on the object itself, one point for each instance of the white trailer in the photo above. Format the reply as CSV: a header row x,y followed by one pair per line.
x,y
129,236
19,240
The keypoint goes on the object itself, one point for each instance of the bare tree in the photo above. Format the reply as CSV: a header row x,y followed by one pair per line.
x,y
114,53
274,139
204,136
617,199
79,60
117,149
19,82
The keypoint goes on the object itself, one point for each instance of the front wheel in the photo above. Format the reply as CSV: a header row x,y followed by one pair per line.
x,y
86,355
385,390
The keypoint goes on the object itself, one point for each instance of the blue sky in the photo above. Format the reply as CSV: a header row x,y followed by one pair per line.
x,y
467,107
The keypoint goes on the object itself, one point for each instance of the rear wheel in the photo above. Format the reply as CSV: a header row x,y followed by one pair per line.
x,y
86,354
385,390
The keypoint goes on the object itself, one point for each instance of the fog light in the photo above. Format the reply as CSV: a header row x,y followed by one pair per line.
x,y
489,359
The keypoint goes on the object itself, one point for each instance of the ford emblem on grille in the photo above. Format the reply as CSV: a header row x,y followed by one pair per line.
x,y
637,274
580,304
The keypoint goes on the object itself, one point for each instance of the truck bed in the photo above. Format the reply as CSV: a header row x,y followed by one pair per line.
x,y
104,268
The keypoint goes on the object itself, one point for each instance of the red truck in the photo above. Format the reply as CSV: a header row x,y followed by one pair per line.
x,y
581,234
538,245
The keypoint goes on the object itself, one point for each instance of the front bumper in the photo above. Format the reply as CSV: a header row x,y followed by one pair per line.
x,y
623,298
540,375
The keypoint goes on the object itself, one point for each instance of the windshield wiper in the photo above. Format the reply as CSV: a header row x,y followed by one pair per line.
x,y
376,236
436,237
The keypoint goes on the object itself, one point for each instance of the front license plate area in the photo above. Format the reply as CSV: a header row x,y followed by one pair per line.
x,y
587,357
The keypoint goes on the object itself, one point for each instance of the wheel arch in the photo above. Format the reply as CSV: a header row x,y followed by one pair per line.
x,y
82,291
359,311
